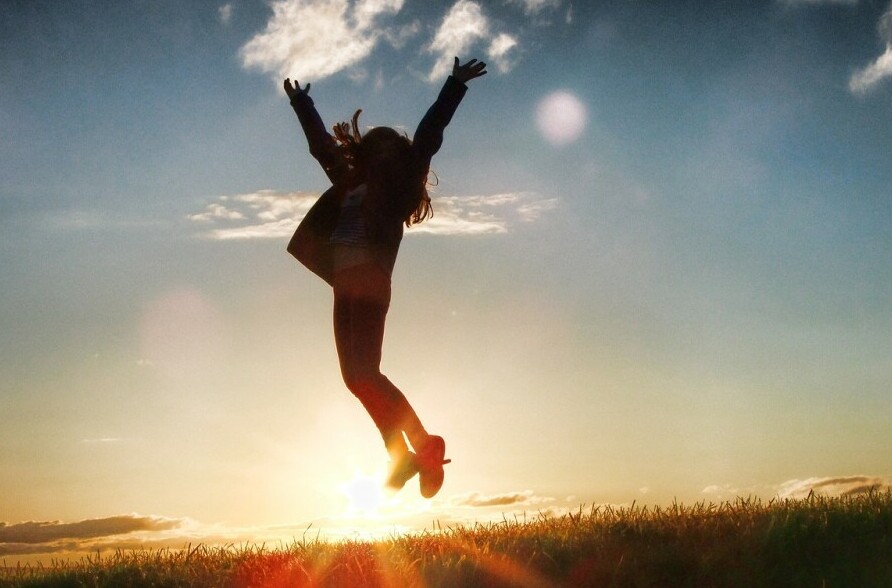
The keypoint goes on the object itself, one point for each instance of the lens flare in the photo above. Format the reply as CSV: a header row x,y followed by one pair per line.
x,y
561,118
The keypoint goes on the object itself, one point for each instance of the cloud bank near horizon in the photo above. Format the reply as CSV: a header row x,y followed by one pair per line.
x,y
269,214
37,540
315,39
33,539
833,486
57,536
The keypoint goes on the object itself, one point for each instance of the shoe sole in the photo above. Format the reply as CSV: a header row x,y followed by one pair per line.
x,y
430,470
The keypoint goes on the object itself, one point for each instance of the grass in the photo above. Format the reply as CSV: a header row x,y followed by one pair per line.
x,y
816,542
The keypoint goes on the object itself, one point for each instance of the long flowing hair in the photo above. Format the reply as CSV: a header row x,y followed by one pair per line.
x,y
391,182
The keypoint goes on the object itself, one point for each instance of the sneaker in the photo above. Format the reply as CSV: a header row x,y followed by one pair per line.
x,y
430,465
402,469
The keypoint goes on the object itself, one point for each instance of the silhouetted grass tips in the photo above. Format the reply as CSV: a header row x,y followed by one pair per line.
x,y
814,542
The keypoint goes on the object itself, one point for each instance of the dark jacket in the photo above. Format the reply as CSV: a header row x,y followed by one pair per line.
x,y
310,243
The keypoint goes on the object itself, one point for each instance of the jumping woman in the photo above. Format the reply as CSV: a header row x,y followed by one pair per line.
x,y
350,238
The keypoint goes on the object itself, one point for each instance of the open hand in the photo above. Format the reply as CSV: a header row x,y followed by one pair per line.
x,y
295,89
469,71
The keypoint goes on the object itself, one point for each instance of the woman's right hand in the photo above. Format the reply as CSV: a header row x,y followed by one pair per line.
x,y
295,89
469,71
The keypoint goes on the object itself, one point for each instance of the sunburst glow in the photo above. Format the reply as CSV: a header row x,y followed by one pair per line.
x,y
365,494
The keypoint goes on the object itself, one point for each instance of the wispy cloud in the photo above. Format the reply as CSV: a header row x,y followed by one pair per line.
x,y
462,26
479,215
501,52
532,7
477,500
314,39
267,214
225,13
34,532
835,486
868,77
720,490
398,37
41,541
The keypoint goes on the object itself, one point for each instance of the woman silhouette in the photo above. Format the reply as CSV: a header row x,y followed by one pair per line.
x,y
350,238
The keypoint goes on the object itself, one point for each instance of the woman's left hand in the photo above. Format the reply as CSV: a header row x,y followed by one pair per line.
x,y
295,89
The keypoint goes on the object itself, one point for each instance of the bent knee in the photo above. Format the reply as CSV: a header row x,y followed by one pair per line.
x,y
359,381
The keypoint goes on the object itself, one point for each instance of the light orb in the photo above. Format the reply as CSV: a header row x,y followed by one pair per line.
x,y
561,118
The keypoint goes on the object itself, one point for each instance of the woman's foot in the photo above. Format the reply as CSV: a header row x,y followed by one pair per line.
x,y
430,465
402,469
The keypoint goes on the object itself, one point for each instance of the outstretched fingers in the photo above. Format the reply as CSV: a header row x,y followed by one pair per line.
x,y
469,71
291,90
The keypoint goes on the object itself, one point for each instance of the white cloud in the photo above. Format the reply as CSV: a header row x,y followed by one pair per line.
x,y
399,36
267,214
463,25
225,13
477,500
216,211
40,541
835,486
720,490
868,77
32,532
479,215
313,39
366,11
500,50
531,7
532,210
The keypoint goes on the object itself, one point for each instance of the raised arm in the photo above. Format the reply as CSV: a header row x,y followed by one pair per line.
x,y
429,134
322,145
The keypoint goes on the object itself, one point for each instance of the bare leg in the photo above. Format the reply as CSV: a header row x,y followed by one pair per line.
x,y
361,300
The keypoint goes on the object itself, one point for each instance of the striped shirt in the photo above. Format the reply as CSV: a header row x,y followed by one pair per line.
x,y
351,228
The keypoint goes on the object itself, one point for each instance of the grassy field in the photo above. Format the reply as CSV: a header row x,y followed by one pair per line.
x,y
818,542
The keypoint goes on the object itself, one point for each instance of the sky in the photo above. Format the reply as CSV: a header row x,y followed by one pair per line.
x,y
658,268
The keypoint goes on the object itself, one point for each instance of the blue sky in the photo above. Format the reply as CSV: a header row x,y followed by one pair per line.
x,y
659,265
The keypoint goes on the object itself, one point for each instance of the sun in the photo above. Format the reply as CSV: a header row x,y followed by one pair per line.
x,y
364,493
372,508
